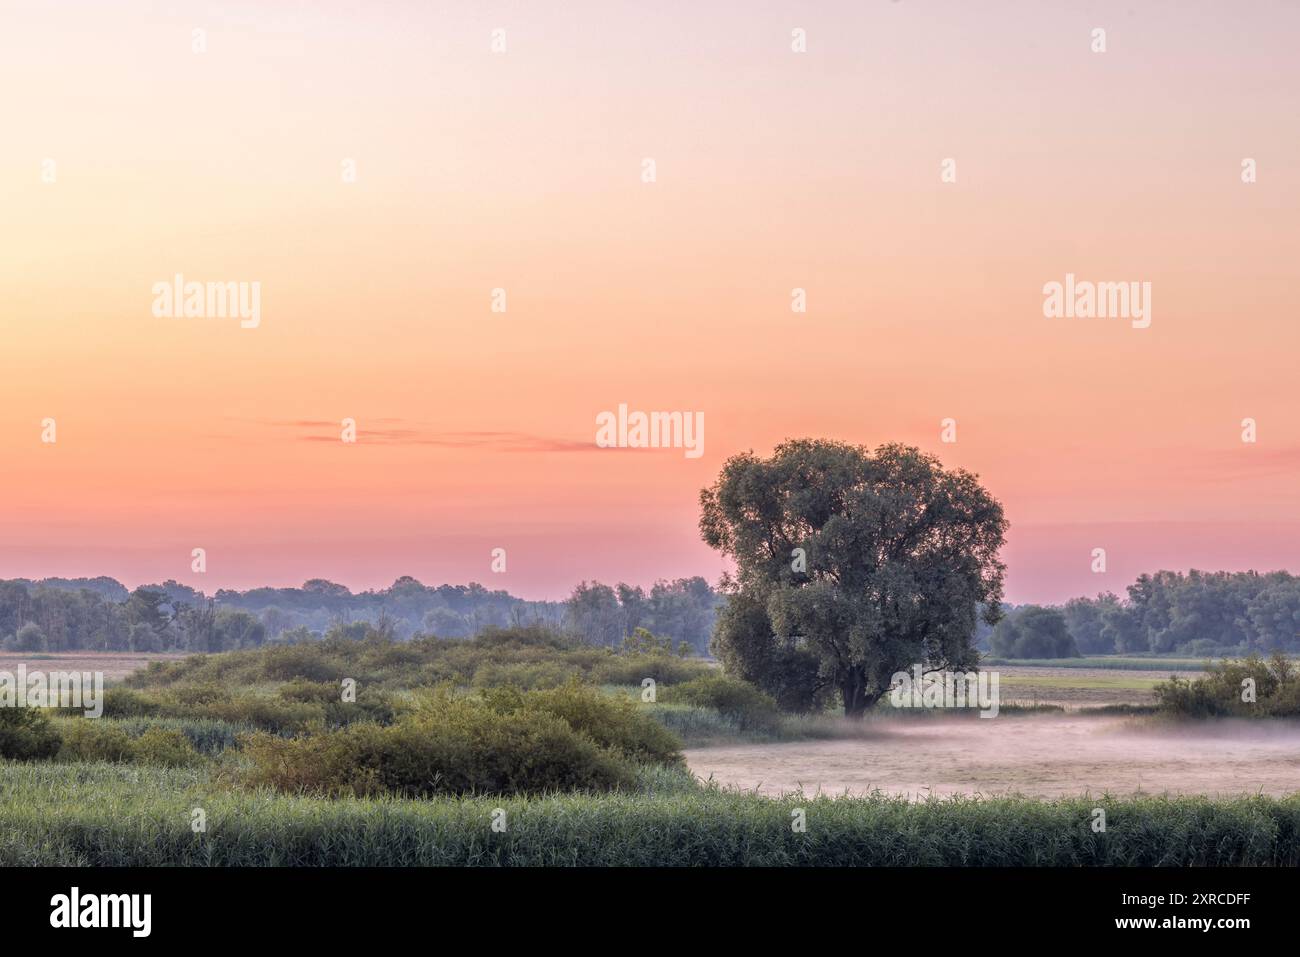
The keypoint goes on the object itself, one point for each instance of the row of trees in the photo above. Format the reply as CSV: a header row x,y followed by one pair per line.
x,y
1196,613
683,610
101,614
42,617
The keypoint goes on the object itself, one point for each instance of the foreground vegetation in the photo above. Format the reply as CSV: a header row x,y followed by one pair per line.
x,y
511,712
105,815
522,747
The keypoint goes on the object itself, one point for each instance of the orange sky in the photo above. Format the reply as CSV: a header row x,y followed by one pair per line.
x,y
522,170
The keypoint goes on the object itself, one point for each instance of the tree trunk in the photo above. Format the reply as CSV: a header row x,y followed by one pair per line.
x,y
853,686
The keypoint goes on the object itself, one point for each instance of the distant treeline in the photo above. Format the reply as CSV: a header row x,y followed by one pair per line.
x,y
1197,613
60,614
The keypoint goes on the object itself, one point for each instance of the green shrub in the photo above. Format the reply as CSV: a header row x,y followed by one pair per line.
x,y
643,641
26,734
310,692
519,674
456,746
633,669
122,702
371,705
90,739
269,714
1219,693
207,735
749,708
286,662
165,747
612,722
374,706
537,636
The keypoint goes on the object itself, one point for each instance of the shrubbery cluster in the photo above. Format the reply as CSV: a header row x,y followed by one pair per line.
x,y
1248,688
91,740
501,742
28,734
529,656
746,706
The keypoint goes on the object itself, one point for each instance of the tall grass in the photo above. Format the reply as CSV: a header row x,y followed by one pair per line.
x,y
106,815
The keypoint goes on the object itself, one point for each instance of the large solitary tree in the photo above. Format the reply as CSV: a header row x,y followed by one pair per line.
x,y
863,562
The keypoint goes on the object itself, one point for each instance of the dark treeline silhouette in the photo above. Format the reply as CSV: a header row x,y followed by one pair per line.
x,y
60,614
1197,613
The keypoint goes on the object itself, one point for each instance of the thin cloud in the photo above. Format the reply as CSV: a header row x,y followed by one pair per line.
x,y
1251,461
497,441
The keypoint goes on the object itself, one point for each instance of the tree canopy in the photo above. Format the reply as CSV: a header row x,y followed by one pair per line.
x,y
1034,632
870,561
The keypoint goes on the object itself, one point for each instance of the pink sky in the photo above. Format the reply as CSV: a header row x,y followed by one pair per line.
x,y
522,171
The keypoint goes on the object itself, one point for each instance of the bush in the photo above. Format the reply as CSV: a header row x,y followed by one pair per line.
x,y
286,662
526,675
644,642
525,635
749,708
26,735
124,703
1219,692
310,692
165,747
611,722
456,746
207,735
278,717
89,739
371,705
633,669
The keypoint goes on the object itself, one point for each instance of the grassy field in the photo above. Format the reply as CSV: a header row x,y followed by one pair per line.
x,y
1080,688
1117,662
115,665
180,738
105,815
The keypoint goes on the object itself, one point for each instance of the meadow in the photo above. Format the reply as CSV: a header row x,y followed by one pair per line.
x,y
520,747
112,815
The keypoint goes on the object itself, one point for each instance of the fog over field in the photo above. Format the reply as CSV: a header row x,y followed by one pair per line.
x,y
1037,756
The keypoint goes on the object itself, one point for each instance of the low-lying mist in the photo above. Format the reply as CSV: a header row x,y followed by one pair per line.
x,y
1036,755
